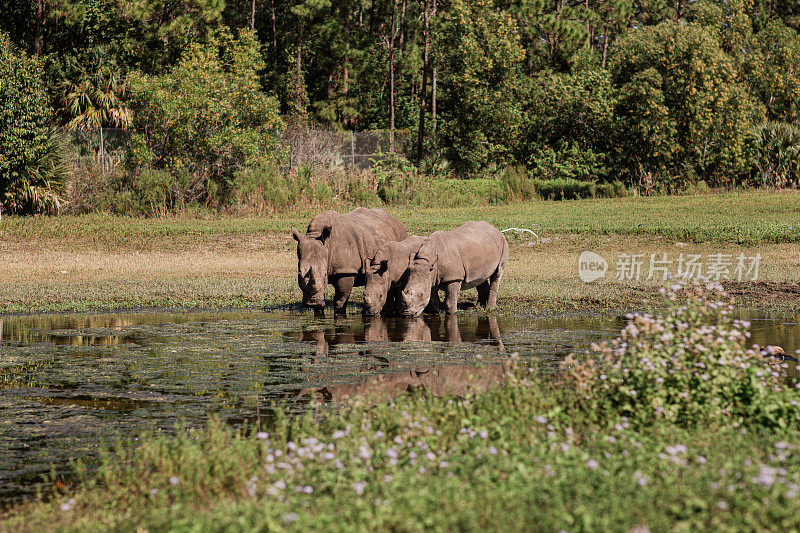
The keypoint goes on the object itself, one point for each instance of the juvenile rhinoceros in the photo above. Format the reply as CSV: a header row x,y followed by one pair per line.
x,y
386,274
472,255
337,248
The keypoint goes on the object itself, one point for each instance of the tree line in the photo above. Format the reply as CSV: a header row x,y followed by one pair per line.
x,y
656,93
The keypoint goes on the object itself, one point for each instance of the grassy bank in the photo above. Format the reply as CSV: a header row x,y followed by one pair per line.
x,y
612,445
756,217
96,262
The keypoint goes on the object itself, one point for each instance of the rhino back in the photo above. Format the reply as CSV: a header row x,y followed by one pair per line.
x,y
470,253
356,236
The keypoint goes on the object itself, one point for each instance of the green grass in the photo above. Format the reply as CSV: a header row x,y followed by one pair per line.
x,y
737,217
521,458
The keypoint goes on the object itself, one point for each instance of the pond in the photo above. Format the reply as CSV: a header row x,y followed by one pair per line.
x,y
67,382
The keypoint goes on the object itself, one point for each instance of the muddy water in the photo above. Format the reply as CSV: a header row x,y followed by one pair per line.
x,y
69,381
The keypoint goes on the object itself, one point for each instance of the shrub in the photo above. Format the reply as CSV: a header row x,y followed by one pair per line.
x,y
568,161
208,117
613,189
776,148
31,160
565,189
516,184
688,366
265,188
393,173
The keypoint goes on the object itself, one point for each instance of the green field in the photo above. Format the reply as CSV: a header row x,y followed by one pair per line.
x,y
96,262
756,217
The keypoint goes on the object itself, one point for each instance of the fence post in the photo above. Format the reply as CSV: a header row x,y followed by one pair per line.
x,y
102,151
353,148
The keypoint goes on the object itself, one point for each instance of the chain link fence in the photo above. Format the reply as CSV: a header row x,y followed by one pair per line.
x,y
307,146
105,147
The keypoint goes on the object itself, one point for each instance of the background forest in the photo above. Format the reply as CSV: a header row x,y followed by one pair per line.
x,y
478,100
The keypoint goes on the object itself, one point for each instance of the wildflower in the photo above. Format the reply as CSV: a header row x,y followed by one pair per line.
x,y
174,480
378,435
766,476
543,420
430,456
262,435
483,434
364,452
492,450
443,464
391,453
68,505
641,479
338,434
388,478
359,487
153,491
591,464
280,484
289,517
701,459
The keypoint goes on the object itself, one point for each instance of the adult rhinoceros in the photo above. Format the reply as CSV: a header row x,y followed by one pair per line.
x,y
337,248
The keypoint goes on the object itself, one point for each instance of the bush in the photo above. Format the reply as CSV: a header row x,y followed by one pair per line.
x,y
614,189
393,173
568,161
776,153
265,188
32,168
516,184
689,366
208,117
565,189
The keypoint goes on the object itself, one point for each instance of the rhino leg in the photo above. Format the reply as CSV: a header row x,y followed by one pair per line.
x,y
342,287
494,284
451,299
433,303
483,293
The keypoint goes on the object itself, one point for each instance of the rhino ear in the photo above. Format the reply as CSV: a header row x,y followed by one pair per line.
x,y
323,236
427,252
296,234
379,267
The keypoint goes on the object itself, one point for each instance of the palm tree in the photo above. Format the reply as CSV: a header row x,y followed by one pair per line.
x,y
777,153
97,98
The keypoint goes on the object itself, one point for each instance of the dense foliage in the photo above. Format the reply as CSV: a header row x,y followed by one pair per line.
x,y
657,95
30,167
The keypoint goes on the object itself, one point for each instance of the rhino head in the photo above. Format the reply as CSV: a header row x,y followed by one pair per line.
x,y
417,292
378,283
312,266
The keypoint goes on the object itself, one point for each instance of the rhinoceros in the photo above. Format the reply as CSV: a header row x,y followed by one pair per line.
x,y
472,255
337,248
386,274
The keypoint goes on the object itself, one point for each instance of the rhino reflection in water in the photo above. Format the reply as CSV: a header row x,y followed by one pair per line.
x,y
438,379
454,380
